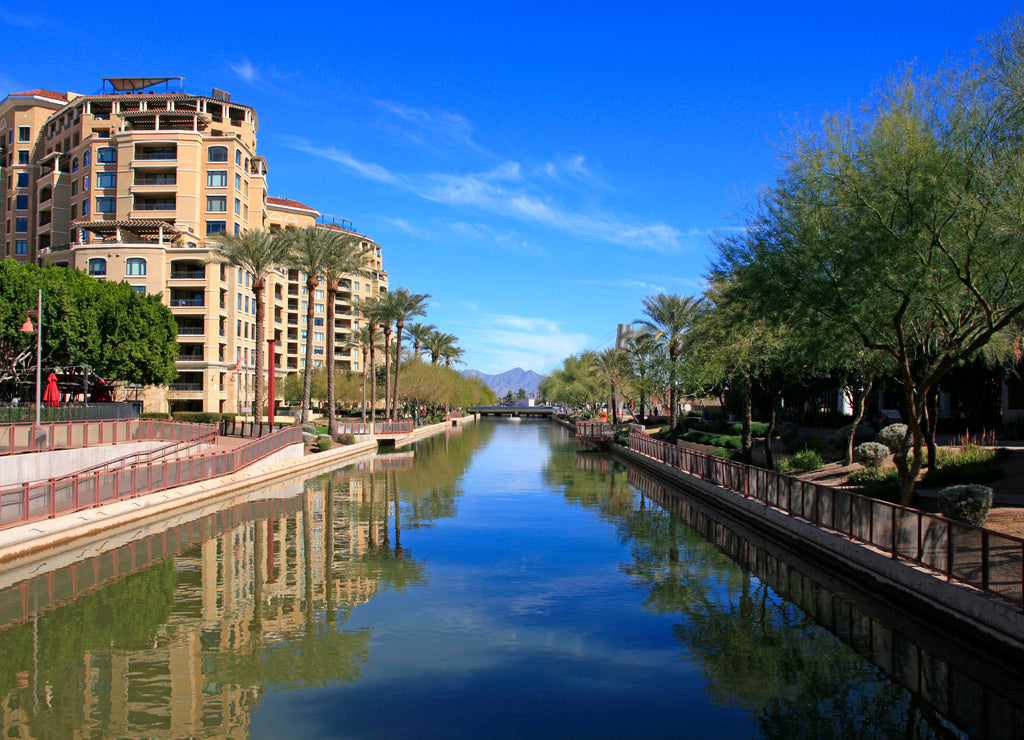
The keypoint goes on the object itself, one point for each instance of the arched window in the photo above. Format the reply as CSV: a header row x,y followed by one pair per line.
x,y
97,266
74,164
217,154
135,266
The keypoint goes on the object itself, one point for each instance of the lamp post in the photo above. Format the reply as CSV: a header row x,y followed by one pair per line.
x,y
28,329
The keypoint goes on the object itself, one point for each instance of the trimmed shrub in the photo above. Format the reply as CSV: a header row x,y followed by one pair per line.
x,y
324,442
719,452
880,483
621,436
802,462
871,454
966,503
308,438
863,434
794,441
892,436
347,439
155,415
308,428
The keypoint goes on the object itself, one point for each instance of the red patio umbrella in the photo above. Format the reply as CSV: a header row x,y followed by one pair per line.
x,y
51,396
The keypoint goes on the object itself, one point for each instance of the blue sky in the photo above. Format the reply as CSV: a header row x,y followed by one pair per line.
x,y
537,168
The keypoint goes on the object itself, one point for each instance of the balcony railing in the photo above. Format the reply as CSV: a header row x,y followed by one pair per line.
x,y
185,386
195,331
188,275
187,303
190,358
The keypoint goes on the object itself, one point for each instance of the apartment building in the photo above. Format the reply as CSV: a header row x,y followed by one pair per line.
x,y
134,184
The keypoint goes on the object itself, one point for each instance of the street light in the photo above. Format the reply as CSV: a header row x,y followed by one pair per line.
x,y
28,329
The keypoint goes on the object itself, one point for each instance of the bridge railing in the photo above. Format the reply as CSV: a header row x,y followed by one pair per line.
x,y
380,427
16,438
46,499
975,556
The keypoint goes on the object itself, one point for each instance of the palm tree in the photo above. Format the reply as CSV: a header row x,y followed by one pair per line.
x,y
345,258
437,344
404,305
310,252
641,346
418,333
613,366
374,312
451,354
669,317
366,340
258,253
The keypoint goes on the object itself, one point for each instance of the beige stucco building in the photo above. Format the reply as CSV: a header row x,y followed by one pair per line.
x,y
134,184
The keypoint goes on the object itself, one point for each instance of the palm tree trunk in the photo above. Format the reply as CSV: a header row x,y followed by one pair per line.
x,y
307,384
260,390
398,362
387,372
373,376
332,415
364,380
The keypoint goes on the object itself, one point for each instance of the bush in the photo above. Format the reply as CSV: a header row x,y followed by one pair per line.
x,y
324,442
892,436
971,464
308,438
864,434
794,441
155,415
198,417
802,462
879,483
757,428
719,452
871,454
347,439
966,503
308,428
621,436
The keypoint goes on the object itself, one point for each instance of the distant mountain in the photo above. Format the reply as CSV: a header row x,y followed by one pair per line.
x,y
510,380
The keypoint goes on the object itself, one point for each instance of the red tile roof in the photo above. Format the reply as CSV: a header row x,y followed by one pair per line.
x,y
285,203
42,94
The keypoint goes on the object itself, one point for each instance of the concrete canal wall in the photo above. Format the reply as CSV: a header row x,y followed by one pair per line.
x,y
33,466
957,605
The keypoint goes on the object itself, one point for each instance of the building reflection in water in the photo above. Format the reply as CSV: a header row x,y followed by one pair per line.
x,y
179,633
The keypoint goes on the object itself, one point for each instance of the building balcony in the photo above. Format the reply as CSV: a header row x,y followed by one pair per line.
x,y
189,275
178,387
190,331
187,303
191,357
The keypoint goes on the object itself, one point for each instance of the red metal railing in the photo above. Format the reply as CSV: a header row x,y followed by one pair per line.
x,y
16,438
380,427
602,429
48,498
982,558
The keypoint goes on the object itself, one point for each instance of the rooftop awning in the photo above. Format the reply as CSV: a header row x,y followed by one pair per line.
x,y
140,226
134,84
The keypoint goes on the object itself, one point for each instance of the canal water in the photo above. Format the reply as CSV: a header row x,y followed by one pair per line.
x,y
497,581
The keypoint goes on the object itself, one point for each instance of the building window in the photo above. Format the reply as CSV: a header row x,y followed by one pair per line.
x,y
74,164
85,207
247,304
85,184
21,246
215,227
238,207
319,295
106,180
318,336
139,289
74,211
97,266
319,308
303,335
216,203
217,179
74,187
86,158
238,182
23,156
239,301
22,179
21,225
238,157
21,203
217,154
106,205
135,266
24,133
318,321
107,154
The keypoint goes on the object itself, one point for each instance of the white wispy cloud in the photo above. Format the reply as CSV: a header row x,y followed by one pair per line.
x,y
504,341
427,126
625,284
245,70
21,19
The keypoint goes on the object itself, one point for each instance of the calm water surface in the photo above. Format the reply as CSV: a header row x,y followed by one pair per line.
x,y
495,582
